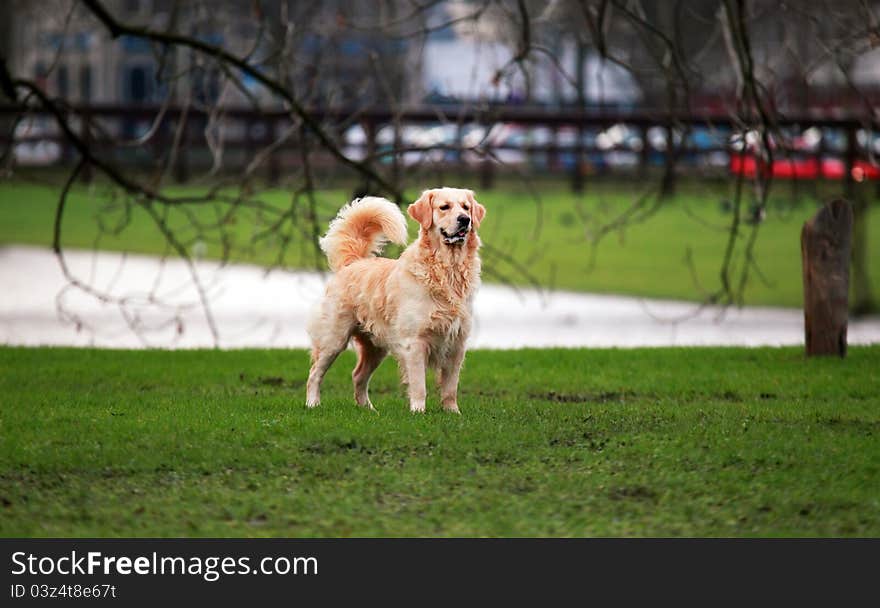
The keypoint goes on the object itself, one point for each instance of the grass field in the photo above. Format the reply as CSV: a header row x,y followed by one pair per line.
x,y
551,239
690,442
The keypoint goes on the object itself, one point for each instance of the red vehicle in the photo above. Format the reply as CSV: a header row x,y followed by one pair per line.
x,y
805,168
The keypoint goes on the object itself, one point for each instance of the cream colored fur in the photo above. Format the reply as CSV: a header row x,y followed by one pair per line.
x,y
362,228
418,307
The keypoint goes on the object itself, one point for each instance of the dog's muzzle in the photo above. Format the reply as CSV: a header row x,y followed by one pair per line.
x,y
464,226
456,237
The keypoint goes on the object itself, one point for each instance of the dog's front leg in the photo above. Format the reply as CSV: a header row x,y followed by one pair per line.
x,y
449,373
415,355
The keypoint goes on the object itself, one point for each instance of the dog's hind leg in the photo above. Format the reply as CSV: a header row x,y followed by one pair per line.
x,y
324,353
369,358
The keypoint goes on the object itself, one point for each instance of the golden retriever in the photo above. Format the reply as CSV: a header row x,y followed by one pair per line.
x,y
417,307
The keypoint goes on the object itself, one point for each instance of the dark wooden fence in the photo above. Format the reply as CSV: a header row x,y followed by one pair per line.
x,y
571,142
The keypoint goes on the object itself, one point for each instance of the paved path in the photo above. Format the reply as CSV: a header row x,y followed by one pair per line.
x,y
253,309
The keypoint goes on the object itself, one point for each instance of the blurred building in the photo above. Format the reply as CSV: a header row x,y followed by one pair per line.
x,y
336,55
63,47
461,62
72,56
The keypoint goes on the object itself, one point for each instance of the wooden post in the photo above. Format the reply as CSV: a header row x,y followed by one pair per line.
x,y
826,243
459,157
667,186
396,157
644,153
553,154
365,186
577,172
273,167
487,174
159,143
370,131
86,135
181,166
852,147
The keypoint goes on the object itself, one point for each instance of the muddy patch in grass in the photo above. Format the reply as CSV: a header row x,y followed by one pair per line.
x,y
274,381
334,446
584,440
642,493
601,397
858,425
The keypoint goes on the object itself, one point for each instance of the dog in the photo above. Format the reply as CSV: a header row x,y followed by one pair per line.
x,y
418,307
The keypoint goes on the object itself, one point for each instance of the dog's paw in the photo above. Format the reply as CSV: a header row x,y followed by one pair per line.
x,y
417,408
451,406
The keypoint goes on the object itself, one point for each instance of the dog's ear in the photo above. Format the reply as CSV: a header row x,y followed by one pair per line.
x,y
422,210
478,212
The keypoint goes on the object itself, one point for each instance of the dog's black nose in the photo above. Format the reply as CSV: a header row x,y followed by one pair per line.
x,y
464,220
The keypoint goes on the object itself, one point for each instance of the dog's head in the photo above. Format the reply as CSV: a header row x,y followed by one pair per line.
x,y
450,212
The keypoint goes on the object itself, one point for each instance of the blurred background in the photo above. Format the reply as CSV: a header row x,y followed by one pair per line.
x,y
653,150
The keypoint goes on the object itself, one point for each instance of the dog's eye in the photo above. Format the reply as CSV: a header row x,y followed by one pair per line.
x,y
465,207
444,207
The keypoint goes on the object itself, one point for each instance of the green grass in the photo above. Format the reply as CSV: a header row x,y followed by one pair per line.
x,y
691,442
646,259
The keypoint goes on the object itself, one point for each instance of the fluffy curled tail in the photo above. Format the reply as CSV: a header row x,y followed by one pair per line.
x,y
361,229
